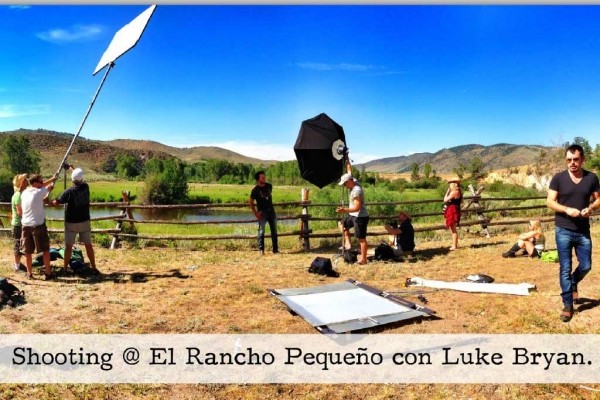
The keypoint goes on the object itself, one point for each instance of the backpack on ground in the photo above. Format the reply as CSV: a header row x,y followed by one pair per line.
x,y
322,266
549,256
10,295
76,254
350,256
55,254
384,252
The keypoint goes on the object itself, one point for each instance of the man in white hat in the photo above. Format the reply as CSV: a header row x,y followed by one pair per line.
x,y
358,216
77,217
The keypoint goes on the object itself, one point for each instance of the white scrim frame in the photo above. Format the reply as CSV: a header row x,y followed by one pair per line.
x,y
125,39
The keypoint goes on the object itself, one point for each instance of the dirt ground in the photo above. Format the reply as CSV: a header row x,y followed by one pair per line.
x,y
165,290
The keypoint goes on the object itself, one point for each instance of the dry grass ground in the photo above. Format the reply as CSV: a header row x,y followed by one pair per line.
x,y
162,290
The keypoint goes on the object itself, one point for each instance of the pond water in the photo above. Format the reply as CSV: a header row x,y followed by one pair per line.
x,y
185,215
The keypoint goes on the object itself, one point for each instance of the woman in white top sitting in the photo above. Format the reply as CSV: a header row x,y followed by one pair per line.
x,y
532,241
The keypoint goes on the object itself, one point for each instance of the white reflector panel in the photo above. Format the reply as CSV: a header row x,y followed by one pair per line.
x,y
348,306
125,38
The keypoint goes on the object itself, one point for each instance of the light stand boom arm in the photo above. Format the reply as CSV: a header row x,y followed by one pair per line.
x,y
84,118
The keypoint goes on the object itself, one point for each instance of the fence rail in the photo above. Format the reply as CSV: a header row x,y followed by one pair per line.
x,y
476,205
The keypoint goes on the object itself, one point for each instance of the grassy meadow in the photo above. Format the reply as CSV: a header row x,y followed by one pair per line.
x,y
108,191
220,287
155,290
222,194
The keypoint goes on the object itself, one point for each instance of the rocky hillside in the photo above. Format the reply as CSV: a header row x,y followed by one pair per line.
x,y
93,154
187,154
494,157
88,154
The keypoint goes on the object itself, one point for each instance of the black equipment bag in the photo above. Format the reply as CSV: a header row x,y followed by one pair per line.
x,y
322,266
384,252
350,256
10,295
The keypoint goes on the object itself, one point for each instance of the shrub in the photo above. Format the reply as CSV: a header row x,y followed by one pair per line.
x,y
6,187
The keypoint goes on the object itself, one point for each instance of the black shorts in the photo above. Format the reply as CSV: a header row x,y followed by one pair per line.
x,y
16,235
359,224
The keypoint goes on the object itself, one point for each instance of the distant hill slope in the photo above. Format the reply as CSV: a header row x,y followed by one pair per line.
x,y
87,154
494,157
93,154
188,154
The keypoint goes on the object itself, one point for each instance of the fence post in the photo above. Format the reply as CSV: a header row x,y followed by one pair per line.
x,y
129,212
124,212
304,219
475,202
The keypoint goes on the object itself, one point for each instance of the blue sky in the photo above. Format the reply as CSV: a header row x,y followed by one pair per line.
x,y
399,79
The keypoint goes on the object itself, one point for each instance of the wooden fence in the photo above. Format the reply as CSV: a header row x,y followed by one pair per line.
x,y
477,211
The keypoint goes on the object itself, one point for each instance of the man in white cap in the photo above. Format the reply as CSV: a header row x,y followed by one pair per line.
x,y
358,217
77,217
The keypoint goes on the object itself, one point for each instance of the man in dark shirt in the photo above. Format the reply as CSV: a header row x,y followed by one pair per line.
x,y
404,232
264,211
569,196
77,217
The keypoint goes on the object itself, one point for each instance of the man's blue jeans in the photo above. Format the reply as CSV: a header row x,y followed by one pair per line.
x,y
271,218
566,241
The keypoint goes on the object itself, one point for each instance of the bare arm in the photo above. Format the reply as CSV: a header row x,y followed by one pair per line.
x,y
253,208
348,166
392,231
552,203
586,212
50,182
451,194
356,206
527,235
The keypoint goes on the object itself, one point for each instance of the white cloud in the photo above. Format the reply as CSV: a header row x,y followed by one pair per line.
x,y
371,69
13,110
278,152
75,33
336,67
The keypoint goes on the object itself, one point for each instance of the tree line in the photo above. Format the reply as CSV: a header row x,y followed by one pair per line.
x,y
166,180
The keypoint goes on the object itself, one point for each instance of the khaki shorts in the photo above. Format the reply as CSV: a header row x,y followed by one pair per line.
x,y
84,229
35,239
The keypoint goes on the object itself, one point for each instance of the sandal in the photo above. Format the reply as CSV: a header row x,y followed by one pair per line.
x,y
30,276
48,277
567,314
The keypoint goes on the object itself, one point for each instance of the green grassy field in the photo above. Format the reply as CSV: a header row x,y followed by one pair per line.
x,y
108,191
221,194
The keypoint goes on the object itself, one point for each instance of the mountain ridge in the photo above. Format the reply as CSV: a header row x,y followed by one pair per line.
x,y
493,157
93,154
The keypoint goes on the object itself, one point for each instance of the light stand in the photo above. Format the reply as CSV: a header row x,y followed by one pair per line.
x,y
341,151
